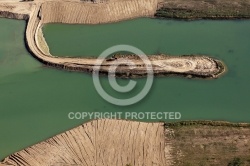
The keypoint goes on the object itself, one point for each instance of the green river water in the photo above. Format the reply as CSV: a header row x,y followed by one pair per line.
x,y
35,100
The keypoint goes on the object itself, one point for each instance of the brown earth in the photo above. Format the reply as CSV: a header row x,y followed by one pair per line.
x,y
99,143
89,13
119,142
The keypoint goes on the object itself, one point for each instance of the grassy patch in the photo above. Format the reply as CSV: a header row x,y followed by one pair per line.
x,y
204,9
206,143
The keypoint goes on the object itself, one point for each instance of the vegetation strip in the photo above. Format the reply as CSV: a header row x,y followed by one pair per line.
x,y
207,9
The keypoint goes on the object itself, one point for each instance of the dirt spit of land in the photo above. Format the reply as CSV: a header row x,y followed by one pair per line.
x,y
191,66
89,13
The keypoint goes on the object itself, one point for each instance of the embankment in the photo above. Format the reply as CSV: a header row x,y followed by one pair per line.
x,y
87,13
192,66
118,142
15,10
7,14
99,143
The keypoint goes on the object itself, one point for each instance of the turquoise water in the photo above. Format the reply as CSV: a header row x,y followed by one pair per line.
x,y
222,99
35,100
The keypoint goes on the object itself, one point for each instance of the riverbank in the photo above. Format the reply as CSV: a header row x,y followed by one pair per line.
x,y
15,9
140,143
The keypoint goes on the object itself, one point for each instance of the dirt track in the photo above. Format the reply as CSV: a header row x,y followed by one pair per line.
x,y
41,12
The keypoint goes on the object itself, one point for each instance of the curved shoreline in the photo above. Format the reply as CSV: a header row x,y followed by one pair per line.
x,y
41,13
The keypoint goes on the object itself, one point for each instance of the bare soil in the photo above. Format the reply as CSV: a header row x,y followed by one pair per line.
x,y
102,142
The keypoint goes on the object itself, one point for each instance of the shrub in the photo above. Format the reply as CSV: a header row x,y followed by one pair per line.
x,y
235,162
